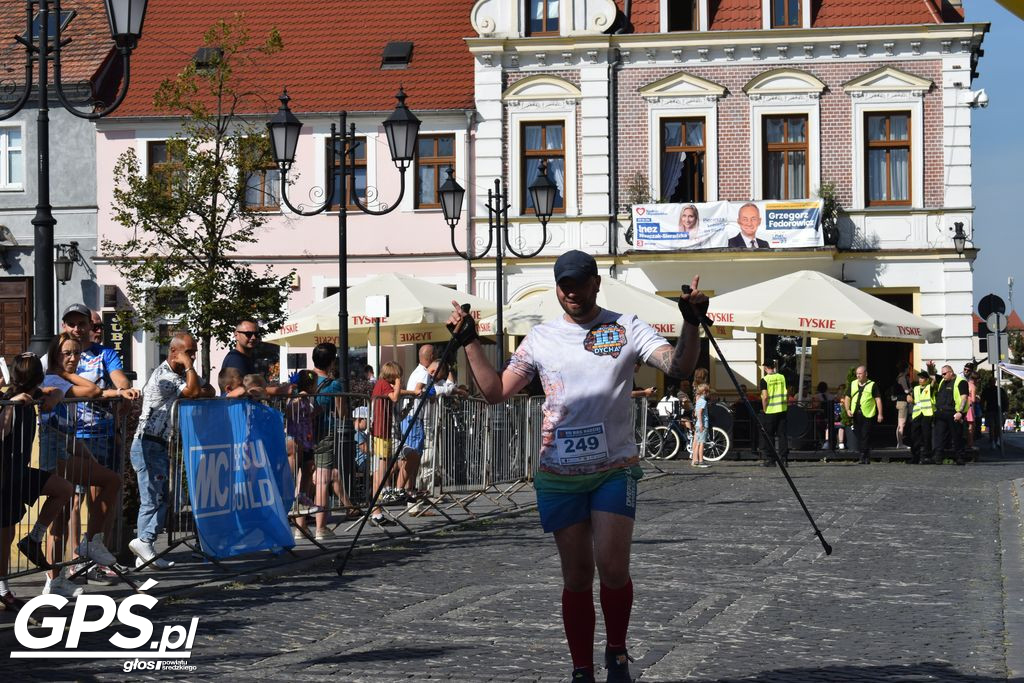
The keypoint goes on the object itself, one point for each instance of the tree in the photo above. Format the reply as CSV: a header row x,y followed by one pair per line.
x,y
189,216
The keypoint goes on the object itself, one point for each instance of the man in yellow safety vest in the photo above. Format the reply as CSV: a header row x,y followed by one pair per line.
x,y
774,403
950,406
921,419
864,405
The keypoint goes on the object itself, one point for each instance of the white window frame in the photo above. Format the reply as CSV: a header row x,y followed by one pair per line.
x,y
766,16
797,105
697,109
409,200
5,181
556,112
702,16
891,103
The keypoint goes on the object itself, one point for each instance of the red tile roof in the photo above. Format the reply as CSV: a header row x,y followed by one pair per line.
x,y
1013,322
81,59
734,15
331,57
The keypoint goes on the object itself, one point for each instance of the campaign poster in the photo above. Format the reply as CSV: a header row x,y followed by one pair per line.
x,y
728,225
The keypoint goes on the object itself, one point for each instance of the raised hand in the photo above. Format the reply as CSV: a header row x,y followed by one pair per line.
x,y
461,324
693,303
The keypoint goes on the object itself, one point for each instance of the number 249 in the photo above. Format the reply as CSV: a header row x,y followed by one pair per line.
x,y
588,444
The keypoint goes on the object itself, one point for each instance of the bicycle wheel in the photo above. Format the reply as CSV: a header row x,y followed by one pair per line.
x,y
654,444
669,443
717,444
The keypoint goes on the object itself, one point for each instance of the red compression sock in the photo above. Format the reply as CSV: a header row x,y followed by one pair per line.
x,y
578,617
616,603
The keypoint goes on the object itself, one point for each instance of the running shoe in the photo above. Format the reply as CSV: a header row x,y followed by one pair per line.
x,y
381,520
325,533
144,552
96,551
618,667
9,603
305,506
33,550
63,587
102,574
703,465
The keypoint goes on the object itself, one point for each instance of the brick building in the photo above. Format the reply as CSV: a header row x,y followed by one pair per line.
x,y
851,80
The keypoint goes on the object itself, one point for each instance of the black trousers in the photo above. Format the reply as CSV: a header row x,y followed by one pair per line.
x,y
775,424
995,428
921,437
862,427
943,427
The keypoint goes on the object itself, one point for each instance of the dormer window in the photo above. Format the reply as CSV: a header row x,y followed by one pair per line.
x,y
683,15
785,13
542,17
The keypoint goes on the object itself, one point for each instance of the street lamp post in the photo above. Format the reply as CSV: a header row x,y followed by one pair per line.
x,y
542,194
401,127
125,20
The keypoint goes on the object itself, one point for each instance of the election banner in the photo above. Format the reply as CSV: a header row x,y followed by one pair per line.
x,y
725,225
239,481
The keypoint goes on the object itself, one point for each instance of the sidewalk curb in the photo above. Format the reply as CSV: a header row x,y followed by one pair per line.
x,y
1011,522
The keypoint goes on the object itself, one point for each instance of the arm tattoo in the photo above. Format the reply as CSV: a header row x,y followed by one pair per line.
x,y
676,362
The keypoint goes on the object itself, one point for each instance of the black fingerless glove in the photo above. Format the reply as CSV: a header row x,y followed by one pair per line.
x,y
467,330
694,315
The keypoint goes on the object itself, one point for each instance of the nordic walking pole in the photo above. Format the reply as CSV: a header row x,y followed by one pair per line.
x,y
706,322
341,559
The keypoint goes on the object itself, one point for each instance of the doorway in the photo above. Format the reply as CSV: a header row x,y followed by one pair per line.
x,y
16,314
882,360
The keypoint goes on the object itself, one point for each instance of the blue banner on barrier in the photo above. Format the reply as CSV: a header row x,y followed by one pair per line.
x,y
239,481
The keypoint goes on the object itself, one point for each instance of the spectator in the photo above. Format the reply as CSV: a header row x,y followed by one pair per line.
x,y
973,420
255,386
21,485
837,418
360,417
242,356
98,423
386,393
230,382
175,377
60,451
992,402
901,391
700,429
361,381
409,465
300,440
822,400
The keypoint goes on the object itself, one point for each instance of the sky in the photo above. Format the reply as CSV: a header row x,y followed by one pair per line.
x,y
998,147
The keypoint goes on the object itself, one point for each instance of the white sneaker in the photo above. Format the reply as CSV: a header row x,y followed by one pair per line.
x,y
61,586
297,534
842,446
325,533
96,551
144,552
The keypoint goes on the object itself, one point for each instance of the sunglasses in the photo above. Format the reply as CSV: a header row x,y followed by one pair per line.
x,y
248,335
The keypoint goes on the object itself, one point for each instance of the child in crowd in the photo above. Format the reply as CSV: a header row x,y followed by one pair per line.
x,y
700,425
299,415
360,417
386,393
230,381
21,485
255,386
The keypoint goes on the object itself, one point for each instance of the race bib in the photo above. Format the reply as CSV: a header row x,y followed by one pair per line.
x,y
587,445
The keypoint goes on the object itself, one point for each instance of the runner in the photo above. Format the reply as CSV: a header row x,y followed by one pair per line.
x,y
586,487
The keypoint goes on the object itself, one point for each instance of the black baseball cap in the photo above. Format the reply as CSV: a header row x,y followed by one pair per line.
x,y
81,309
576,265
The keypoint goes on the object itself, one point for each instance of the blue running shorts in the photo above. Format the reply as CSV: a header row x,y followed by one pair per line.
x,y
617,494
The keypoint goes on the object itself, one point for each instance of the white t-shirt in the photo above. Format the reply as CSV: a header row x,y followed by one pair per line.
x,y
587,374
421,375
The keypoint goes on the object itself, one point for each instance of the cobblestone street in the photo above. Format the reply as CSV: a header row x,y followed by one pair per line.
x,y
731,584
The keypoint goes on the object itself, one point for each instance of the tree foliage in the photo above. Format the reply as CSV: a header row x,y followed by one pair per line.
x,y
188,217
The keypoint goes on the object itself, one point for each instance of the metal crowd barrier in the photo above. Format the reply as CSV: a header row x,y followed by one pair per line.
x,y
83,443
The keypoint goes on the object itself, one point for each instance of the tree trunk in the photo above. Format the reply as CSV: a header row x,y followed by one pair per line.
x,y
206,348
